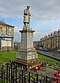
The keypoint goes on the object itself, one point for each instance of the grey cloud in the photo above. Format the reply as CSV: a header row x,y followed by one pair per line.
x,y
46,9
39,35
40,9
17,35
9,8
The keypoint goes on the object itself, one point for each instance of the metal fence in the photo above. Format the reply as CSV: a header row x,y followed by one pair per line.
x,y
12,73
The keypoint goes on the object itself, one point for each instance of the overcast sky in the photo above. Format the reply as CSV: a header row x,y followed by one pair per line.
x,y
45,15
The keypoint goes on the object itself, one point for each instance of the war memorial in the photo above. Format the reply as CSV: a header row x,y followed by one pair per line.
x,y
27,55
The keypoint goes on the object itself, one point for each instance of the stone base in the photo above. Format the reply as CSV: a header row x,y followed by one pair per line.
x,y
27,64
27,54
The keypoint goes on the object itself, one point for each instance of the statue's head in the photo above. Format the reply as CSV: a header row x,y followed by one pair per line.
x,y
28,7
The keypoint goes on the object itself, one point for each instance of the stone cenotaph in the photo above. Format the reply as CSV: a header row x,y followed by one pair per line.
x,y
27,55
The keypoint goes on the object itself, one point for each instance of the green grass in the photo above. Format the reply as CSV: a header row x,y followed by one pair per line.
x,y
48,59
7,56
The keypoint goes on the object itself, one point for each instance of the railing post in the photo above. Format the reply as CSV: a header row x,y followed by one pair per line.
x,y
22,76
29,77
46,79
34,81
25,79
19,77
7,72
40,81
37,78
11,71
2,68
4,76
16,72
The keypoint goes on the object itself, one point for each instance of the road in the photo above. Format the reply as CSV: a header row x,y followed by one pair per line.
x,y
54,55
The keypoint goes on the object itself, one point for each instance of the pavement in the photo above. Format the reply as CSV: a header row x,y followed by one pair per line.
x,y
49,72
50,54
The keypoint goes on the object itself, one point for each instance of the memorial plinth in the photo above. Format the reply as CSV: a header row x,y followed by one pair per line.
x,y
27,55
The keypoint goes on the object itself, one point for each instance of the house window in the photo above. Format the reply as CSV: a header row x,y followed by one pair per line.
x,y
4,30
9,31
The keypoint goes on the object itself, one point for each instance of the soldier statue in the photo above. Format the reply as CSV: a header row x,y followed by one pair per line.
x,y
27,17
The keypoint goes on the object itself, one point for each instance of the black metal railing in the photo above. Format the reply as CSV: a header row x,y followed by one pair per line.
x,y
11,73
